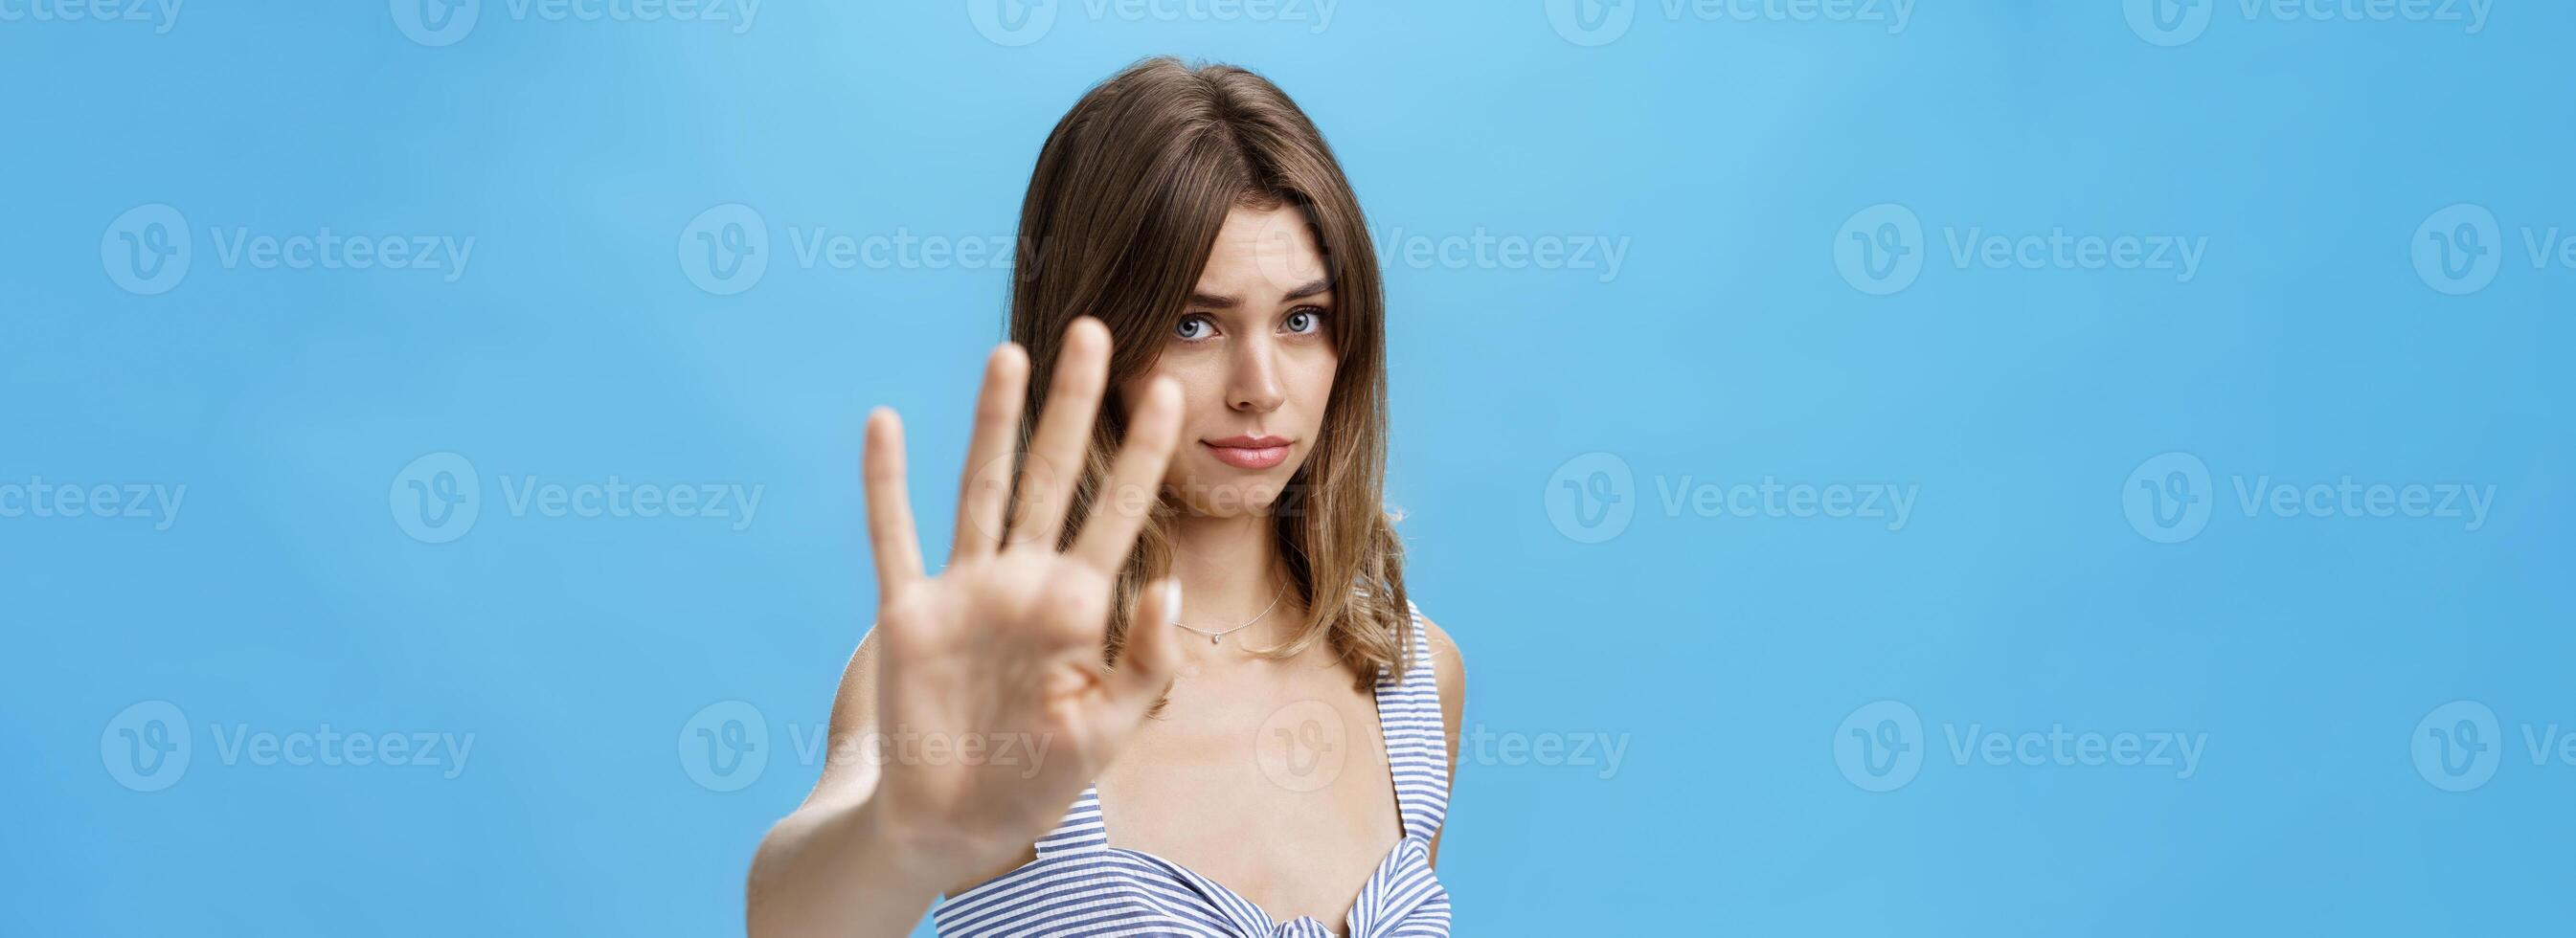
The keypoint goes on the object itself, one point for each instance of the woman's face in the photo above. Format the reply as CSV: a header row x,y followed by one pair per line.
x,y
1255,364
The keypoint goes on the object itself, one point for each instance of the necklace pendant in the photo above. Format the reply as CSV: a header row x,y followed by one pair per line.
x,y
1214,639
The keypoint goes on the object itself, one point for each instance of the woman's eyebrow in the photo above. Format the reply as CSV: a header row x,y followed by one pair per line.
x,y
1222,301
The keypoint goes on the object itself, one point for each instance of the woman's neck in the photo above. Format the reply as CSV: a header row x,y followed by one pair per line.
x,y
1230,571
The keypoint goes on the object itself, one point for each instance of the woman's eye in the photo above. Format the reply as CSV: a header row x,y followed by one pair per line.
x,y
1305,320
1192,329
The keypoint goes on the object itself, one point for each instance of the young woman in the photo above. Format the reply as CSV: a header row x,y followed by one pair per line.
x,y
1193,404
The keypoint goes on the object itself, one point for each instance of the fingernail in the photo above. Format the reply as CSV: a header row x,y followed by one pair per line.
x,y
1172,598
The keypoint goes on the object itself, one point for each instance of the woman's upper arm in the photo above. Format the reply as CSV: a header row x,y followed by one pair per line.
x,y
848,774
1449,672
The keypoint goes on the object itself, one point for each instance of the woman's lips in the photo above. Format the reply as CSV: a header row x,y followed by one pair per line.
x,y
1249,452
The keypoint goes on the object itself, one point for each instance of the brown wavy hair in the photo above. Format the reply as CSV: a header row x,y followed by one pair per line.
x,y
1122,212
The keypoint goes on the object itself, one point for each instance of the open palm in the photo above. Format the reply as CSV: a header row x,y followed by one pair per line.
x,y
1001,651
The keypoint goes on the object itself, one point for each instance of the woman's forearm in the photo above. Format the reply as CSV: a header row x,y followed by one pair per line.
x,y
831,870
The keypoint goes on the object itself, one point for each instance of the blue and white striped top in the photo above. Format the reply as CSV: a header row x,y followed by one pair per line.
x,y
1079,885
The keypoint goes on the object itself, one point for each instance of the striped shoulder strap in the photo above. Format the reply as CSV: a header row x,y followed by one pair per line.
x,y
1080,830
1417,754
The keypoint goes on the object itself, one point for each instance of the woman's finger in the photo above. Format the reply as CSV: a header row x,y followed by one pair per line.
x,y
890,534
1148,660
1135,480
984,489
1064,429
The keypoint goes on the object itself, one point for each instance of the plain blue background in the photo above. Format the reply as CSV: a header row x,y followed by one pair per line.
x,y
1724,653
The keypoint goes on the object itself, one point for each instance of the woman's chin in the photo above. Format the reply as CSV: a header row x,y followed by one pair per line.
x,y
1247,492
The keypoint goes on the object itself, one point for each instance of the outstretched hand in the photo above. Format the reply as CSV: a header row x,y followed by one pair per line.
x,y
1005,642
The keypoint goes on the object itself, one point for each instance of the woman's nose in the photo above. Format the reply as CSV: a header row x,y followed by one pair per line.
x,y
1253,387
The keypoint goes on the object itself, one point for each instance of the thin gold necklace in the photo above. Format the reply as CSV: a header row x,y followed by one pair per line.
x,y
1218,637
